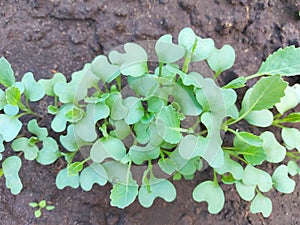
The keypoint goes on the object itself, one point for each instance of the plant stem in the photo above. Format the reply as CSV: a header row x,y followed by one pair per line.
x,y
253,76
160,68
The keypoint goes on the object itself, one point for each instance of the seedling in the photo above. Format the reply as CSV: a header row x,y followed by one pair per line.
x,y
40,205
100,119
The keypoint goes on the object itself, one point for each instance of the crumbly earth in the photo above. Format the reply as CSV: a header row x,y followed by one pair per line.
x,y
46,35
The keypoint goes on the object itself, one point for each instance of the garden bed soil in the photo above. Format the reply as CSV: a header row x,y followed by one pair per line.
x,y
43,36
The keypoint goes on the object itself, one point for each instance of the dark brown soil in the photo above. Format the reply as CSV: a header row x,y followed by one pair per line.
x,y
45,35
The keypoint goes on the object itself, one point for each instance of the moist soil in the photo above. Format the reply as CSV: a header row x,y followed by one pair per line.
x,y
43,36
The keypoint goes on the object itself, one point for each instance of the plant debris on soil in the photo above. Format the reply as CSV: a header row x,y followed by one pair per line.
x,y
45,36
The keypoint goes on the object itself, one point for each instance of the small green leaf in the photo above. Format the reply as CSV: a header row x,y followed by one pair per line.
x,y
118,110
247,192
13,96
281,180
275,152
33,90
48,84
291,138
104,70
158,188
291,118
145,85
232,167
49,152
293,168
236,83
107,147
167,165
74,115
10,169
50,207
3,101
122,129
254,176
71,141
261,204
42,203
167,51
135,110
191,146
133,62
221,59
93,174
140,154
7,77
168,124
122,195
63,180
59,122
154,104
23,144
34,128
38,213
75,168
288,101
211,193
11,110
33,204
284,62
261,118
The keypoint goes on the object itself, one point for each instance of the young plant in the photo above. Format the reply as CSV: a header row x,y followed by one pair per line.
x,y
40,205
124,119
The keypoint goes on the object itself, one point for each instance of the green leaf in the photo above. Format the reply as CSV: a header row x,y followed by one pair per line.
x,y
291,138
42,203
10,169
167,51
71,141
167,165
221,59
145,85
74,115
281,180
254,176
191,146
33,204
291,118
93,174
11,110
236,83
142,132
293,168
64,180
261,118
275,152
9,127
168,124
3,101
50,207
34,128
185,166
107,147
49,152
48,84
133,62
7,77
59,122
247,192
158,188
284,62
13,96
211,193
117,108
231,166
135,110
155,104
140,154
122,129
288,101
74,168
261,204
23,144
122,195
38,213
104,70
264,95
186,99
33,90
230,98
85,128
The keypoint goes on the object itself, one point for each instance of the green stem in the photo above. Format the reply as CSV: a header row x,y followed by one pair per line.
x,y
183,130
293,155
253,76
196,124
160,68
187,60
119,84
215,178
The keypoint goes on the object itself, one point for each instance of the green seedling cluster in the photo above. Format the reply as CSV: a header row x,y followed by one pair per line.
x,y
115,133
40,205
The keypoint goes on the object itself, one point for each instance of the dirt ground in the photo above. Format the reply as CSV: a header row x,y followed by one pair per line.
x,y
45,35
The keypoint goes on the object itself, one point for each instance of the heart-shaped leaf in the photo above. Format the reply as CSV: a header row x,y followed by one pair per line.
x,y
293,168
49,152
34,128
211,193
10,127
221,59
7,77
145,85
261,204
24,145
107,147
133,62
135,110
93,174
291,138
254,176
117,108
63,179
247,192
71,141
158,188
122,129
281,180
33,90
288,101
167,165
10,169
167,51
104,70
49,84
11,110
140,154
232,167
59,122
275,152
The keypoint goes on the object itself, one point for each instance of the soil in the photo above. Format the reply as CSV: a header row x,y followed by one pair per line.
x,y
46,35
